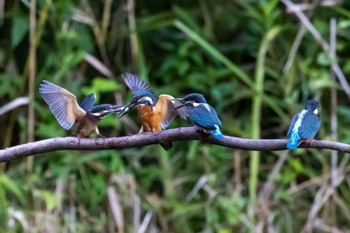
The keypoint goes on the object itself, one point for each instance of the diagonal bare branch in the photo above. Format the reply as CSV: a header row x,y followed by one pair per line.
x,y
325,46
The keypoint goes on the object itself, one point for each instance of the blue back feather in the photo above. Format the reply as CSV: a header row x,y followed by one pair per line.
x,y
206,119
88,102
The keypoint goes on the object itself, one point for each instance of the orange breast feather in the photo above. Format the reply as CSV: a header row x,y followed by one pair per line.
x,y
152,119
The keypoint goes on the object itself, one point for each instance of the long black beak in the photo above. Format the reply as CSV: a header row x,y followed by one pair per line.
x,y
180,106
126,109
180,100
117,108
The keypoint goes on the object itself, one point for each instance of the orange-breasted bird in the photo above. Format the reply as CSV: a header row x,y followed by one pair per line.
x,y
154,113
67,111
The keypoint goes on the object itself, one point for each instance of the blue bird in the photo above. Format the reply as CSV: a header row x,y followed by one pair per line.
x,y
305,125
203,116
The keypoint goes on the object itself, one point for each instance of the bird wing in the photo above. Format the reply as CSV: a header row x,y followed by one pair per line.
x,y
310,126
88,102
164,109
62,103
295,118
136,85
205,117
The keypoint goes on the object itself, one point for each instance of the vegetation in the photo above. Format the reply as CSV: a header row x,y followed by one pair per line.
x,y
244,56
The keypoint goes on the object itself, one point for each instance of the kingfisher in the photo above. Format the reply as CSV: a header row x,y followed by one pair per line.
x,y
67,111
203,116
305,125
154,113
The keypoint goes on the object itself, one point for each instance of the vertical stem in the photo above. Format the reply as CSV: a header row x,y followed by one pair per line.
x,y
167,173
105,19
133,35
334,120
256,114
332,55
32,70
237,177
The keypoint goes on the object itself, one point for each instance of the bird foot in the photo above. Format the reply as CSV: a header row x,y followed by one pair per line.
x,y
308,141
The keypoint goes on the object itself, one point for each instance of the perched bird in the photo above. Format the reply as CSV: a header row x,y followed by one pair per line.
x,y
67,111
305,125
203,116
154,113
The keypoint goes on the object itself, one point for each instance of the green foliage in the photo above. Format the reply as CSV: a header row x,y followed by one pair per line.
x,y
235,53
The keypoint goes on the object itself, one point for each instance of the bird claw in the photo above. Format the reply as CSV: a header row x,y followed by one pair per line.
x,y
308,141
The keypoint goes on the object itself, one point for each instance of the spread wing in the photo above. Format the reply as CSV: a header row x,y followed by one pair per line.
x,y
164,108
136,85
295,118
204,116
88,102
310,126
62,103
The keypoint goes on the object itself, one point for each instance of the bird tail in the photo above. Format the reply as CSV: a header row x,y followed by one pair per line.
x,y
217,133
293,141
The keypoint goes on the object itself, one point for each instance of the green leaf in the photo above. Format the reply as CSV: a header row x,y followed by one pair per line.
x,y
19,30
100,84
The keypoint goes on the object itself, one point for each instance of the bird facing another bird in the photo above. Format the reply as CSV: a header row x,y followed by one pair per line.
x,y
67,111
203,116
154,113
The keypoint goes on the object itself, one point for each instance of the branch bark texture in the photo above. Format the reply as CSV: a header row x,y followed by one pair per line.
x,y
149,138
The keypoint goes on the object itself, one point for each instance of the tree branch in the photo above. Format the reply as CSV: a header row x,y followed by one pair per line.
x,y
170,135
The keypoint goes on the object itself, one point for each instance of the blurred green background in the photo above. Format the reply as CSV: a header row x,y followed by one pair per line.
x,y
255,63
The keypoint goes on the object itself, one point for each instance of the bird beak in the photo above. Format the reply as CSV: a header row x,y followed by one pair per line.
x,y
178,99
181,101
117,108
124,109
180,106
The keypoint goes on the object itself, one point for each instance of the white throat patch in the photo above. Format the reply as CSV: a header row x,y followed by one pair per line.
x,y
316,111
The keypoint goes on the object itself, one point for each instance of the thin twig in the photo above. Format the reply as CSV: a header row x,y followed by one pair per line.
x,y
311,6
335,66
32,71
98,65
332,54
149,138
14,104
297,41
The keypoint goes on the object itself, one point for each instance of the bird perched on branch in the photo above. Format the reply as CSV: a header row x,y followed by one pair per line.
x,y
305,125
154,113
67,111
203,116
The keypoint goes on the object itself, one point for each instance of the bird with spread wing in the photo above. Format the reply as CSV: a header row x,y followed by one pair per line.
x,y
154,113
67,111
